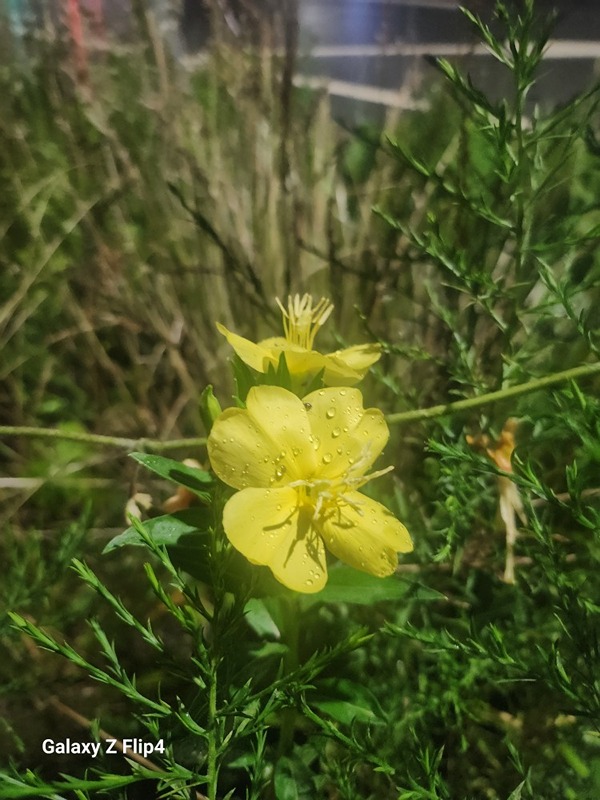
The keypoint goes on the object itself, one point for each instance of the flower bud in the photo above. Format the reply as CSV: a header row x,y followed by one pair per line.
x,y
210,408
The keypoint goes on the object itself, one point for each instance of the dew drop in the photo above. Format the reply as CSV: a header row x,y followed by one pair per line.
x,y
308,582
327,458
308,406
335,433
321,393
279,509
343,393
339,451
330,413
345,429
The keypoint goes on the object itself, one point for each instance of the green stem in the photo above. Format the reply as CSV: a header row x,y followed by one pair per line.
x,y
212,767
119,442
493,397
291,662
417,414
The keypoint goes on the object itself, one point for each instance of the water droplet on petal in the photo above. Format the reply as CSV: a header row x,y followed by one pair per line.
x,y
343,393
330,413
308,406
327,458
335,433
280,471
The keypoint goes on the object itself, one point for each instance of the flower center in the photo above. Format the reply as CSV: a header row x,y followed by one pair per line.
x,y
302,320
319,494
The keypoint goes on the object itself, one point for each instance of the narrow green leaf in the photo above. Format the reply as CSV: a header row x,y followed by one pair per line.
x,y
166,530
347,585
196,480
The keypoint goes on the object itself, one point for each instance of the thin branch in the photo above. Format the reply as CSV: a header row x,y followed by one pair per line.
x,y
493,397
417,414
119,442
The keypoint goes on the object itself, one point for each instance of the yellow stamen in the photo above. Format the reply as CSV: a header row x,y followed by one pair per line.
x,y
301,321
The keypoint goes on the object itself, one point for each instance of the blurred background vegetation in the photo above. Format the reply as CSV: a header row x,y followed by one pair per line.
x,y
141,203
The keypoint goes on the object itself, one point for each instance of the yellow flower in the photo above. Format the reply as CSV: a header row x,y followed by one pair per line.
x,y
298,466
301,323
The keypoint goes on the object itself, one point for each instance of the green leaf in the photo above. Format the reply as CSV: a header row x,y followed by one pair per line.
x,y
260,620
167,530
196,480
347,702
348,585
517,793
293,780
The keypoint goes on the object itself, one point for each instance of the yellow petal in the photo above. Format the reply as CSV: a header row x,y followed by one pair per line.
x,y
347,367
251,353
347,438
358,358
277,343
268,527
299,360
266,444
364,534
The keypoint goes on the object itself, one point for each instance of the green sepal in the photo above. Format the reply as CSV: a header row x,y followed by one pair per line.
x,y
245,378
316,382
279,376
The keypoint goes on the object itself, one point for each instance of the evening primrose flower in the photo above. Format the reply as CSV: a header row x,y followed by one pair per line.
x,y
298,467
301,323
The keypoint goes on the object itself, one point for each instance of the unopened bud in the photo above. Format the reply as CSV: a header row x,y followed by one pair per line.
x,y
210,408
